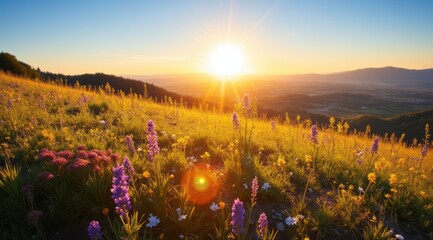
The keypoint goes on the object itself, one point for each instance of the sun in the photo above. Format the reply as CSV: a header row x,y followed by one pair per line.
x,y
227,60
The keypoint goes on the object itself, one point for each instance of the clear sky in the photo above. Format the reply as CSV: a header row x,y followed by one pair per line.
x,y
168,37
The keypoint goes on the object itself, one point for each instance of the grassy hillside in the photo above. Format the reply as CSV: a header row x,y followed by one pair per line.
x,y
63,149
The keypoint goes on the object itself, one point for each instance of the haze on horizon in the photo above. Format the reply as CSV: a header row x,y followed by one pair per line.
x,y
276,37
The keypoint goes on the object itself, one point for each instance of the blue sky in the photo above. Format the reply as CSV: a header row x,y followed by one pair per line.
x,y
157,37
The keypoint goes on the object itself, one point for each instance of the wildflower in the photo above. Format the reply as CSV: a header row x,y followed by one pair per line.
x,y
146,174
102,122
65,154
34,216
361,190
130,144
9,105
128,169
375,146
153,221
120,191
262,224
105,211
235,120
214,207
281,162
399,237
254,188
179,213
393,190
245,185
314,135
80,163
424,150
45,176
46,155
393,179
246,103
266,186
152,141
372,177
387,195
59,162
94,231
290,221
81,147
238,212
308,159
273,125
221,205
171,176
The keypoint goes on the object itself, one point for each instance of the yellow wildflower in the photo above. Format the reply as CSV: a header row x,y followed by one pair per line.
x,y
281,162
221,205
393,190
387,195
308,159
146,174
171,176
392,179
372,177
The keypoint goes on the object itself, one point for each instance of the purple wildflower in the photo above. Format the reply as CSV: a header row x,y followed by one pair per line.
x,y
34,216
65,154
375,145
152,141
235,120
314,134
238,212
246,103
128,169
80,163
424,150
94,231
120,191
262,224
254,188
46,155
273,125
59,162
130,144
9,105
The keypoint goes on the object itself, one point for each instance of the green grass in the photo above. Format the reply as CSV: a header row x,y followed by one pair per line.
x,y
331,190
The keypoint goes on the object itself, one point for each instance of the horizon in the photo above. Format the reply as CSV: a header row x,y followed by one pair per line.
x,y
275,38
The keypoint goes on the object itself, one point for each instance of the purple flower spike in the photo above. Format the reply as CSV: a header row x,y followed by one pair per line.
x,y
120,191
246,103
254,188
235,120
130,144
424,150
314,135
375,146
128,169
94,231
238,212
152,141
262,224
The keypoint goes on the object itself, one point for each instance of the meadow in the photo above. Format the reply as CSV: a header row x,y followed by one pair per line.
x,y
81,164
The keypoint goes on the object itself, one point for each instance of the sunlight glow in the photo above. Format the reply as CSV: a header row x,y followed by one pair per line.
x,y
201,184
227,60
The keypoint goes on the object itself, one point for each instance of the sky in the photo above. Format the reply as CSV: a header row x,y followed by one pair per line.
x,y
173,37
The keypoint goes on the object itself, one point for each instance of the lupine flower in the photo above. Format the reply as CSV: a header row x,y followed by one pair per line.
x,y
266,186
130,144
238,212
262,224
153,221
179,213
254,188
94,231
120,191
214,207
128,169
246,103
235,120
424,150
273,125
34,216
152,141
375,146
314,135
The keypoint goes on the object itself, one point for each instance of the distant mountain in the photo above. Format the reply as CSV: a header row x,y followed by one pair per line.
x,y
412,124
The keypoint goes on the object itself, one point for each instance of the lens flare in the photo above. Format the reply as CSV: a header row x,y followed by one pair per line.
x,y
201,184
